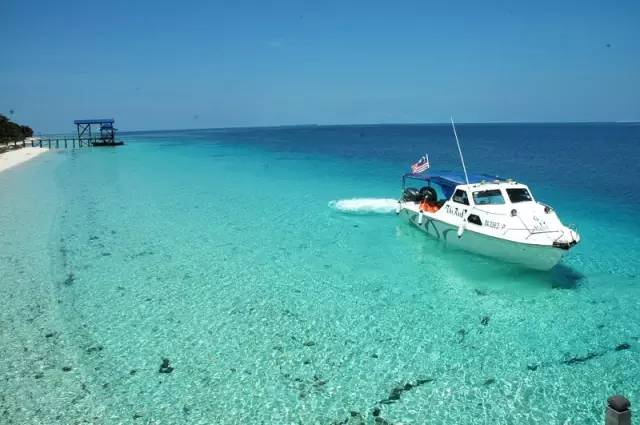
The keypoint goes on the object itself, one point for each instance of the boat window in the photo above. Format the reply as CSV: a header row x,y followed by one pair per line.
x,y
461,197
488,197
474,219
519,195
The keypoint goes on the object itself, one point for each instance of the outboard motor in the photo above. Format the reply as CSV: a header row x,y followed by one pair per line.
x,y
429,194
411,194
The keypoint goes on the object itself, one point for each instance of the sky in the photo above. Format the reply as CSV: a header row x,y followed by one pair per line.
x,y
173,65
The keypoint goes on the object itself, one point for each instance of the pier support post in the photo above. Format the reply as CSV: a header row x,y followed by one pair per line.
x,y
618,411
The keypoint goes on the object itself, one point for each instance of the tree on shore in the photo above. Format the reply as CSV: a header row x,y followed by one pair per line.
x,y
10,131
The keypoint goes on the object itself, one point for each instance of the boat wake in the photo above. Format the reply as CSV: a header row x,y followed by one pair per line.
x,y
365,205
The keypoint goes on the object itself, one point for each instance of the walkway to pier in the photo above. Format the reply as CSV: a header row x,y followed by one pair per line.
x,y
59,143
105,135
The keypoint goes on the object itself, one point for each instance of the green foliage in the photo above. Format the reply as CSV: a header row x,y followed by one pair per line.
x,y
10,131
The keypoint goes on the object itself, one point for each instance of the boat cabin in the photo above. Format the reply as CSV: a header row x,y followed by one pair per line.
x,y
483,190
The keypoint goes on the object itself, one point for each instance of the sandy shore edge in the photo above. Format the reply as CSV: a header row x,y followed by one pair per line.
x,y
12,158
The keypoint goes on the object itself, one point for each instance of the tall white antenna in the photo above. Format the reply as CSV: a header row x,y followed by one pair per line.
x,y
466,177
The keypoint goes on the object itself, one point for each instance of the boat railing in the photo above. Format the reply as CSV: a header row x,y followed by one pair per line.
x,y
540,232
545,205
534,232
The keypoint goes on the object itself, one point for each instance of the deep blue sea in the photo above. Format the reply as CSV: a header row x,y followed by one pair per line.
x,y
208,277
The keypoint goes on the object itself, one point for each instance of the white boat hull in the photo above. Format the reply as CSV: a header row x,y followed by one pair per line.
x,y
534,256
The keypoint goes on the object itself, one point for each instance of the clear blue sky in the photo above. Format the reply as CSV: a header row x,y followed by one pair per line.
x,y
182,64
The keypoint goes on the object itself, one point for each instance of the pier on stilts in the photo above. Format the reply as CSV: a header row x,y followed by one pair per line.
x,y
90,133
106,132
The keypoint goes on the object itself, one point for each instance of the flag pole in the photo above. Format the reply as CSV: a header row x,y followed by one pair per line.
x,y
466,177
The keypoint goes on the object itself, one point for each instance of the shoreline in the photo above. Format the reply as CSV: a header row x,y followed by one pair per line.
x,y
15,157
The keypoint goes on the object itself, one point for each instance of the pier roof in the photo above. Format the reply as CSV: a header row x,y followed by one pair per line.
x,y
95,121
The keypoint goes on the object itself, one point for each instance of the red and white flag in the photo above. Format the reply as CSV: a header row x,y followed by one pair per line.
x,y
421,166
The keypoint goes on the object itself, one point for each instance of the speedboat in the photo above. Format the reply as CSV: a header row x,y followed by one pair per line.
x,y
486,215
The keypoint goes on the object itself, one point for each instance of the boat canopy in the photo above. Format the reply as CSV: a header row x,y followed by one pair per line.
x,y
448,180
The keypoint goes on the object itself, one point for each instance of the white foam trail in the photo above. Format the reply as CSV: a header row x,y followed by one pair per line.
x,y
365,205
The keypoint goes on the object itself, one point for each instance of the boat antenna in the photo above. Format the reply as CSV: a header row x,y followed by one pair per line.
x,y
466,177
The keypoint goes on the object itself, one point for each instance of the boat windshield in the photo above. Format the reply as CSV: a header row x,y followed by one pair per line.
x,y
488,197
519,195
460,197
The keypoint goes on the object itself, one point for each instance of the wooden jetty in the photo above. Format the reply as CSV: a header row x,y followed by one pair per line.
x,y
58,143
103,135
107,132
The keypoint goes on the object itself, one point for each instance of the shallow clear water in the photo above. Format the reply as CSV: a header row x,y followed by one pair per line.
x,y
222,252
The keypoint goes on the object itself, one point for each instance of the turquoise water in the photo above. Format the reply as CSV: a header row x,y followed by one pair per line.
x,y
219,251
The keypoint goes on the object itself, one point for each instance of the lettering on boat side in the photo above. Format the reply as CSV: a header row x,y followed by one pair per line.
x,y
539,225
458,212
494,224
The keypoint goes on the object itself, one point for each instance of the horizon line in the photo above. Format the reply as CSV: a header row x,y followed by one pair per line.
x,y
446,123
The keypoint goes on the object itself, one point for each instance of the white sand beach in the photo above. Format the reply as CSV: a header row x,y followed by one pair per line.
x,y
12,158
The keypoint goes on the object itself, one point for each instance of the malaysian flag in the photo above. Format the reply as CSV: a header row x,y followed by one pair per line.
x,y
421,166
